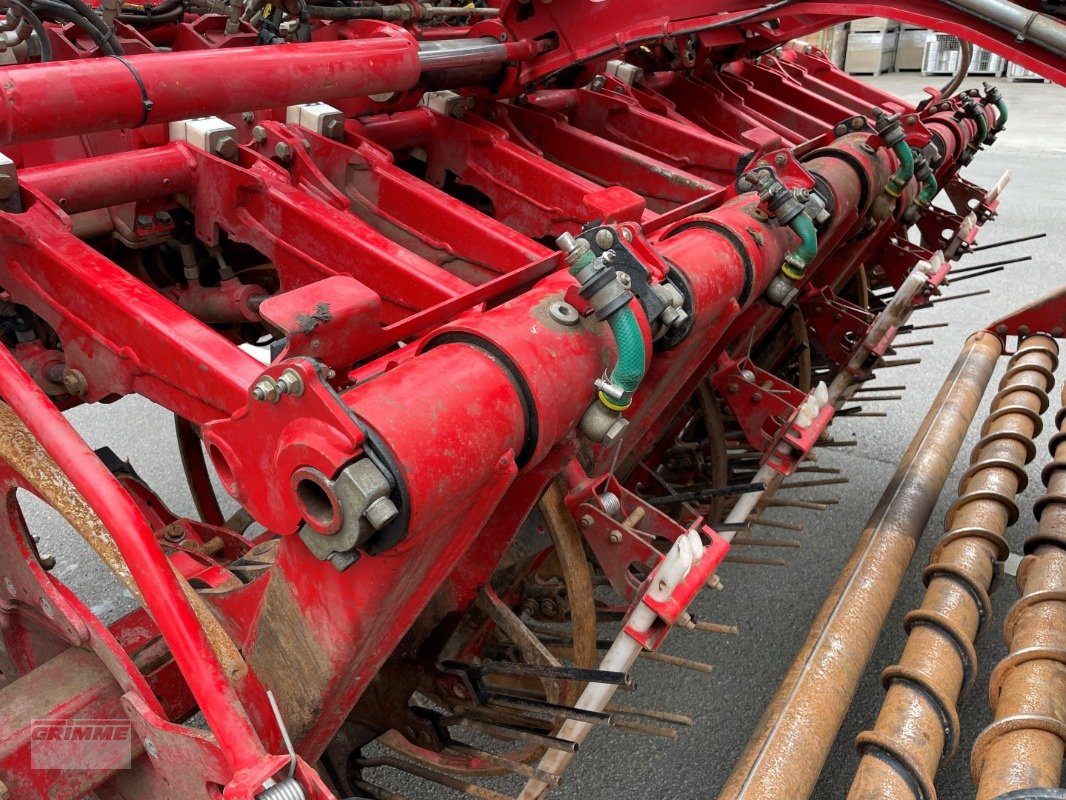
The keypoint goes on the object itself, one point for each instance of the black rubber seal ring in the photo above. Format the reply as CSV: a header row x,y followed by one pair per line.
x,y
851,161
738,244
529,405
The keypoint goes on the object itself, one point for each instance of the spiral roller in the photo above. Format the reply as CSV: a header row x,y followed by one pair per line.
x,y
1027,689
918,726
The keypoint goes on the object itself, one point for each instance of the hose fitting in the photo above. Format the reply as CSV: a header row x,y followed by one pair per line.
x,y
890,130
994,97
789,208
608,292
923,172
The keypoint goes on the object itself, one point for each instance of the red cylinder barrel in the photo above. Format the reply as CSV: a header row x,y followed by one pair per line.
x,y
45,101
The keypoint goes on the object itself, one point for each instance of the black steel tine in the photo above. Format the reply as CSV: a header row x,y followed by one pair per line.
x,y
1004,243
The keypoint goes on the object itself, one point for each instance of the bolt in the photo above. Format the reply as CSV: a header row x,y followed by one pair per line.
x,y
627,234
248,116
381,512
290,383
74,382
173,533
549,607
586,521
144,221
8,186
458,691
858,122
259,133
266,390
616,537
840,130
283,151
226,147
604,238
624,279
10,586
150,748
48,563
163,218
780,159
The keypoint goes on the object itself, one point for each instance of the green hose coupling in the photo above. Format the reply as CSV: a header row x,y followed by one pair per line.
x,y
890,129
791,209
970,109
923,172
994,97
608,292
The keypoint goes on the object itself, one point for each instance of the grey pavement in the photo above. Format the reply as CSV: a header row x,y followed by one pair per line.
x,y
772,605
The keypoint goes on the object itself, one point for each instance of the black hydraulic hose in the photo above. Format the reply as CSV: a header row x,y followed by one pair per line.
x,y
136,17
31,19
64,12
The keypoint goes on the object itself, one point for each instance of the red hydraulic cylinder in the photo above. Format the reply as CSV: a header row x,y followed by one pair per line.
x,y
46,101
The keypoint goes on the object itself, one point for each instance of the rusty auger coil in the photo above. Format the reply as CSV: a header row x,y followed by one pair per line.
x,y
1027,689
918,726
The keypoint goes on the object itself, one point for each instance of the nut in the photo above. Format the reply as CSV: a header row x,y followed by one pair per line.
x,y
290,383
283,151
266,390
604,238
259,133
74,382
616,537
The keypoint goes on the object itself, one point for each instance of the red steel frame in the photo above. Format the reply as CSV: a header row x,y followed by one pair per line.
x,y
470,409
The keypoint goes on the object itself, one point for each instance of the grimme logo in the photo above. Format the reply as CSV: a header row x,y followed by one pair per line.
x,y
80,744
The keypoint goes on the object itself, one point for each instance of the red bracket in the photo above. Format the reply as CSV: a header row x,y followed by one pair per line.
x,y
766,408
837,324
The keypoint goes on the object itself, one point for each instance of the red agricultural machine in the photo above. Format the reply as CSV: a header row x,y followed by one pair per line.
x,y
499,321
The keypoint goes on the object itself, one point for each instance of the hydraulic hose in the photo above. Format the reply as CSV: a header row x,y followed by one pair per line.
x,y
905,172
1001,119
929,189
982,131
803,255
629,369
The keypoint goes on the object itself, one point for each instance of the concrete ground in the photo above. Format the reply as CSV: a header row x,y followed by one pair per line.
x,y
772,605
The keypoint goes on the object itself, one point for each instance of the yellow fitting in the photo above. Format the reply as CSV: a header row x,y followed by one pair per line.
x,y
791,271
612,404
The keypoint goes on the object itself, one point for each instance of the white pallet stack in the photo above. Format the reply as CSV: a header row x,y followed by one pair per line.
x,y
1016,72
942,53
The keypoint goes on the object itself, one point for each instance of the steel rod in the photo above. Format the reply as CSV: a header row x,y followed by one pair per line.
x,y
785,755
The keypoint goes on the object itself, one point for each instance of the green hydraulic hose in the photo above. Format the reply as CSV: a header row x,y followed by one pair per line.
x,y
906,168
803,226
629,369
929,190
982,131
1001,120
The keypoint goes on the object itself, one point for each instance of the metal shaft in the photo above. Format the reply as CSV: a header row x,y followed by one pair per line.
x,y
918,726
1027,689
790,745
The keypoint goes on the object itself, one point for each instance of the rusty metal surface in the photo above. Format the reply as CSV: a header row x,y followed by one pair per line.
x,y
918,725
1023,747
789,747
